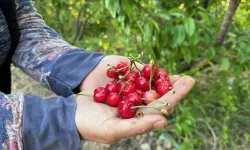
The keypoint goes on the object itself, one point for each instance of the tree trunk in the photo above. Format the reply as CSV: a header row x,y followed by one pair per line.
x,y
233,5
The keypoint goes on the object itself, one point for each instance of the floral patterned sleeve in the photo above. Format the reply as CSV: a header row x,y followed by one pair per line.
x,y
32,123
11,108
46,57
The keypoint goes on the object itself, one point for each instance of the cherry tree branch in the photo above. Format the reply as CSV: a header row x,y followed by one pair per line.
x,y
233,5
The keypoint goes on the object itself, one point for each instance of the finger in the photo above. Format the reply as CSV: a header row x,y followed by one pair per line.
x,y
174,78
124,128
182,87
171,110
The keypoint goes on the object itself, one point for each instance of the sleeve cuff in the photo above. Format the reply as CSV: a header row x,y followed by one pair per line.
x,y
70,69
50,124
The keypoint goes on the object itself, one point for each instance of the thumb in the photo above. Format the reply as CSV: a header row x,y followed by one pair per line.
x,y
136,126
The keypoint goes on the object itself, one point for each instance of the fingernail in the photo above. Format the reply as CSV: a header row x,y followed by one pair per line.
x,y
160,124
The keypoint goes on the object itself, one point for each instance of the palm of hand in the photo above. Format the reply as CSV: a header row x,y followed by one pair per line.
x,y
98,77
97,117
100,122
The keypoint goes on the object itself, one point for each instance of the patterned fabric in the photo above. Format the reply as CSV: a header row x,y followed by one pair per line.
x,y
11,122
39,46
47,58
37,51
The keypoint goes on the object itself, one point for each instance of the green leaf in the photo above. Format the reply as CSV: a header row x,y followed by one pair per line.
x,y
127,7
244,38
112,6
147,32
178,128
242,57
177,14
211,52
190,26
179,34
121,19
186,54
204,16
186,144
127,30
243,45
231,34
156,26
164,16
225,64
195,39
107,3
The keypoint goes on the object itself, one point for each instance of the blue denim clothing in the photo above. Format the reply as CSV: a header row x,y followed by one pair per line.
x,y
50,124
30,122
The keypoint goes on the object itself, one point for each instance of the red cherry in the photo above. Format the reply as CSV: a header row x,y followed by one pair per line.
x,y
112,86
150,95
125,111
159,80
140,92
133,76
123,66
163,88
142,83
162,72
120,85
100,94
146,71
134,98
112,73
170,86
114,99
129,88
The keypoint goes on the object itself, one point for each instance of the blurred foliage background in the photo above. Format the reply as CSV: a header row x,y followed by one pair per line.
x,y
207,39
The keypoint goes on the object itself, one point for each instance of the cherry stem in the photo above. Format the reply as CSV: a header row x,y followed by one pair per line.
x,y
164,104
135,107
136,58
158,74
111,70
128,72
140,114
150,99
173,89
163,111
110,67
151,74
124,85
121,69
83,94
136,67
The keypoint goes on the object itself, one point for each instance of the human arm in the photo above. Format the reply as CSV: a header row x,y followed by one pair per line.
x,y
46,57
30,122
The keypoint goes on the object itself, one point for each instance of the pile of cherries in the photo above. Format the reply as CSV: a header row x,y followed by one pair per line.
x,y
131,87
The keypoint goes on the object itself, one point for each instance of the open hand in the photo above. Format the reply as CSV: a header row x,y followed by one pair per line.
x,y
97,77
100,122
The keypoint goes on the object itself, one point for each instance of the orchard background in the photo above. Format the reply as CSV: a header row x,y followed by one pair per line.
x,y
206,39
